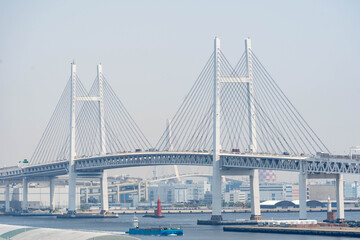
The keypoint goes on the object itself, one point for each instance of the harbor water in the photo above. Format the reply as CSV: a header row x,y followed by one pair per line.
x,y
188,222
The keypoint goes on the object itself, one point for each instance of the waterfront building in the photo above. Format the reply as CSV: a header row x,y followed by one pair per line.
x,y
291,192
272,204
356,191
349,190
180,195
162,190
234,196
178,192
267,192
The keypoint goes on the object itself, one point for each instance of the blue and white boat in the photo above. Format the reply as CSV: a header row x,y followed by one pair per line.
x,y
161,231
157,231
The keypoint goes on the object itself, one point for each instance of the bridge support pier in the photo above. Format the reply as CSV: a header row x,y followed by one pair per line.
x,y
255,195
7,197
25,195
52,194
340,198
104,192
72,192
302,196
216,193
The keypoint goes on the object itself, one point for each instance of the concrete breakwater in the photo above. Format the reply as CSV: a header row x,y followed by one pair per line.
x,y
232,210
329,231
15,232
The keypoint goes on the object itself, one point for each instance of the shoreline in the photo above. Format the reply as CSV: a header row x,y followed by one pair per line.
x,y
187,211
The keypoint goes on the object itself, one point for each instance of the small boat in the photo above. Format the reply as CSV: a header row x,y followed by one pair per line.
x,y
161,231
157,231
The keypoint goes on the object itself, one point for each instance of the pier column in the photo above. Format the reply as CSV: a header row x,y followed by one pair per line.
x,y
302,196
340,198
7,197
25,195
255,195
52,194
104,192
72,193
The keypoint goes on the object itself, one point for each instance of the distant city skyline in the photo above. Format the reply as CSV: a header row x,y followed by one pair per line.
x,y
152,53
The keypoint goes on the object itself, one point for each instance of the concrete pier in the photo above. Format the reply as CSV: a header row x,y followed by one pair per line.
x,y
104,192
347,232
302,196
52,194
340,215
255,195
7,197
25,186
228,222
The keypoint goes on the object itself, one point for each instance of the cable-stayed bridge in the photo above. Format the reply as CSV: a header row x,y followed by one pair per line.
x,y
234,118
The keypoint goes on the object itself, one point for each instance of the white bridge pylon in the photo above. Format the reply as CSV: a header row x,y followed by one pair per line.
x,y
217,171
72,172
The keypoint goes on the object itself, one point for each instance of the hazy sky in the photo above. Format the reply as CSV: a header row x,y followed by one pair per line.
x,y
152,52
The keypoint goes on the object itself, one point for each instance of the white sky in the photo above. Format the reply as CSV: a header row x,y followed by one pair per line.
x,y
152,52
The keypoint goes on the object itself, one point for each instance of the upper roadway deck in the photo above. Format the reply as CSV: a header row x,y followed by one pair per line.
x,y
96,164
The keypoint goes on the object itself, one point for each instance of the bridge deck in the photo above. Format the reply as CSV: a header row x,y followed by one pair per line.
x,y
228,160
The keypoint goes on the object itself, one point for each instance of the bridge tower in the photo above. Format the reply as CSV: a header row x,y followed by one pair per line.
x,y
103,178
72,173
217,172
254,177
102,129
216,180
